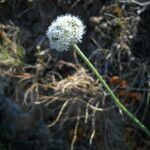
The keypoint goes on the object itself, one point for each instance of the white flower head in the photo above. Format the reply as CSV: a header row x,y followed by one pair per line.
x,y
64,31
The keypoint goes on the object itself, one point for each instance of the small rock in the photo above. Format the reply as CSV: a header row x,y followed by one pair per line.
x,y
93,21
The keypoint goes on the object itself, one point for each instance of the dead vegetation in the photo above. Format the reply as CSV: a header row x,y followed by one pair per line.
x,y
77,110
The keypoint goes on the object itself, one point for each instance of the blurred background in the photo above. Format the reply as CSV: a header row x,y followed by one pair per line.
x,y
56,91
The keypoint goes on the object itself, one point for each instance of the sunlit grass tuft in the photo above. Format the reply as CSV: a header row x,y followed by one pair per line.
x,y
11,53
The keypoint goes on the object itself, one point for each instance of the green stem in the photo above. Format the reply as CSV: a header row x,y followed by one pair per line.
x,y
115,99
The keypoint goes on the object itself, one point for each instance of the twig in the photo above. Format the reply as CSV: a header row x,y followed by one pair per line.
x,y
59,115
139,3
75,133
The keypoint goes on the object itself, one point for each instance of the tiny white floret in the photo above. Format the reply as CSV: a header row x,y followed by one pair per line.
x,y
64,31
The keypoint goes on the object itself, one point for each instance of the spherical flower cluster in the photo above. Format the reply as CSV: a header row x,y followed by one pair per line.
x,y
64,31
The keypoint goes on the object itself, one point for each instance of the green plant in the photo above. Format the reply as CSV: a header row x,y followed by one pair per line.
x,y
115,99
65,32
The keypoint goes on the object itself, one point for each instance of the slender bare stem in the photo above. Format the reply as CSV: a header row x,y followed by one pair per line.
x,y
115,99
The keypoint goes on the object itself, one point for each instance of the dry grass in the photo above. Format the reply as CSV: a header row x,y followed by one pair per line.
x,y
78,106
